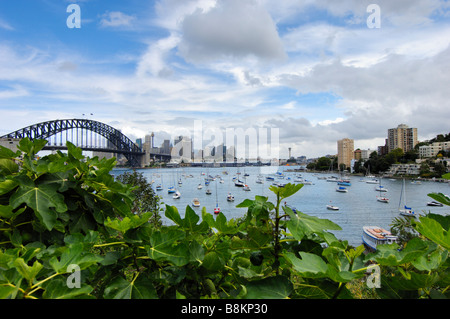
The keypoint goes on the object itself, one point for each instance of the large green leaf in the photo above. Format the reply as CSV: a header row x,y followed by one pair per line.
x,y
433,230
301,224
220,223
166,245
173,214
286,191
8,167
213,261
7,153
277,287
29,273
7,185
41,198
58,289
256,238
59,178
129,222
140,288
310,265
389,255
74,254
190,221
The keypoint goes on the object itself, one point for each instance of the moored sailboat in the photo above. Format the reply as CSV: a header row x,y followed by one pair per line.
x,y
217,208
405,211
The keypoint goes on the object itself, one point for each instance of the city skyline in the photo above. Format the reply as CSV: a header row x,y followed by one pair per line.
x,y
318,71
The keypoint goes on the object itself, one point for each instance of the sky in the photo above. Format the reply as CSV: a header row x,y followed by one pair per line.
x,y
317,71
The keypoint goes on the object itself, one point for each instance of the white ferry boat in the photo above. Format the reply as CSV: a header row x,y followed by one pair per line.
x,y
374,236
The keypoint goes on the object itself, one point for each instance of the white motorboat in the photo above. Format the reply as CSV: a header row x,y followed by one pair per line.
x,y
177,195
331,207
341,189
433,203
230,197
195,202
374,236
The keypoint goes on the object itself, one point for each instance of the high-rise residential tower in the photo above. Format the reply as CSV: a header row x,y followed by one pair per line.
x,y
345,151
403,137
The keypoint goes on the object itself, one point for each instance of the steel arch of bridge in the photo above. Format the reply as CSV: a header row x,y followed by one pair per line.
x,y
47,129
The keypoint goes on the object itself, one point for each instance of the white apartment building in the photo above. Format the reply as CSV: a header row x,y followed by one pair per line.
x,y
404,169
433,149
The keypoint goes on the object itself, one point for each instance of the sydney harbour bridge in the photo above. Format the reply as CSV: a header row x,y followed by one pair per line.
x,y
86,134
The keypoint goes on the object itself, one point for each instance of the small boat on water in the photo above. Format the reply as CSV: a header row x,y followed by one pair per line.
x,y
171,190
382,199
208,192
381,188
230,197
246,188
195,202
433,203
373,236
331,207
199,186
159,187
177,195
405,211
239,183
372,181
341,189
344,182
217,208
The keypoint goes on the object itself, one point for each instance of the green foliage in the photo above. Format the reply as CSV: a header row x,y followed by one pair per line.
x,y
64,210
145,199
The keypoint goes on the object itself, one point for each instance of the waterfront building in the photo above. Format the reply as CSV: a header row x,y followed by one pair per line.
x,y
10,143
403,137
345,151
433,149
404,169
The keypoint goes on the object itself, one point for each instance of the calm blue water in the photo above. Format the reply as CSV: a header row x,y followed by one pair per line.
x,y
357,207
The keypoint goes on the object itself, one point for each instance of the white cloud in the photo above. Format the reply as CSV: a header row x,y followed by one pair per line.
x,y
231,30
5,25
116,19
153,60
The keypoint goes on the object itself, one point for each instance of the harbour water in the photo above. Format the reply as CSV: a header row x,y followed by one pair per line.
x,y
357,207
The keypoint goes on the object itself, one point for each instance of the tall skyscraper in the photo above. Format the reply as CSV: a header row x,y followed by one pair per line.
x,y
403,137
345,151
